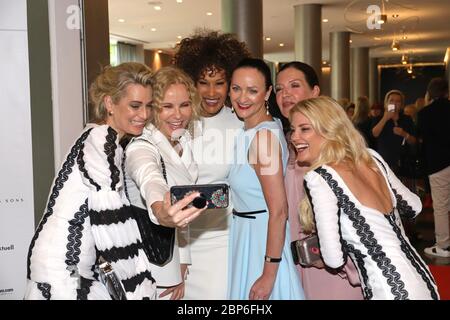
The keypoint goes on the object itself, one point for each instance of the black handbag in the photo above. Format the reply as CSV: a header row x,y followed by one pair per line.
x,y
158,241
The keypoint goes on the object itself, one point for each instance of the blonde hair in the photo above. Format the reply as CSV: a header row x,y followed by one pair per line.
x,y
163,79
362,110
113,82
342,141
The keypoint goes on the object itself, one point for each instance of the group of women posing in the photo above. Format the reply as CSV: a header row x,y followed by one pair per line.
x,y
241,252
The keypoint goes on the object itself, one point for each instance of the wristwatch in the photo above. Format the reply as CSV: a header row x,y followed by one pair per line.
x,y
272,260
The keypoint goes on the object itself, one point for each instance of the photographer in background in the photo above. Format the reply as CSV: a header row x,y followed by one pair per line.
x,y
393,131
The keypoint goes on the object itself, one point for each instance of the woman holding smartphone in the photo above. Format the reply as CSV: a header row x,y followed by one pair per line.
x,y
160,158
393,130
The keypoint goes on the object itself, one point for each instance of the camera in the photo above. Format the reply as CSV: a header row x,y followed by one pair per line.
x,y
391,107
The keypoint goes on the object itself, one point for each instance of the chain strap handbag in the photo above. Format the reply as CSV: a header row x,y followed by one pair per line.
x,y
158,241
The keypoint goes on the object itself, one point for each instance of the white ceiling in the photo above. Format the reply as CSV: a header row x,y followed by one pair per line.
x,y
425,23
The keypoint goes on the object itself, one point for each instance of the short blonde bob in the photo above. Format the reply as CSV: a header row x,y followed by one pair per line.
x,y
113,82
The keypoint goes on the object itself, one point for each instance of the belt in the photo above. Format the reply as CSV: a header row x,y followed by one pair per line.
x,y
248,215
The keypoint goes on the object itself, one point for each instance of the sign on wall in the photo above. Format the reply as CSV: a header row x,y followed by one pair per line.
x,y
16,183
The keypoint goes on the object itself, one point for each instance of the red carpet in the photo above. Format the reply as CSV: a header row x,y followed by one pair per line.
x,y
442,276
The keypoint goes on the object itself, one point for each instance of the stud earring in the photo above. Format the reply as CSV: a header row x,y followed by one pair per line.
x,y
267,108
110,113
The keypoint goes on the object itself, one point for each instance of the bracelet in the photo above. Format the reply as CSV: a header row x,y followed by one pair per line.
x,y
272,260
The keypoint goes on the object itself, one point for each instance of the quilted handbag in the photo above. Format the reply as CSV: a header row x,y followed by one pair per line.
x,y
158,241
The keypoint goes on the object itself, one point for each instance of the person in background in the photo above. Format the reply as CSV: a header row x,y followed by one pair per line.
x,y
350,110
356,201
433,130
88,215
411,111
344,103
295,82
161,158
376,110
362,121
261,263
209,58
420,103
393,130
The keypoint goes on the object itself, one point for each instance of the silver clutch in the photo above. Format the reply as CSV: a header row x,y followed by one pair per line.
x,y
109,278
306,251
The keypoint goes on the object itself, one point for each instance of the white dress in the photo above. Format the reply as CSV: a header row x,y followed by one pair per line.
x,y
88,216
213,153
388,265
146,185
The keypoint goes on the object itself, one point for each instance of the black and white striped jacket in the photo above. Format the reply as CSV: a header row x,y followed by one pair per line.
x,y
86,217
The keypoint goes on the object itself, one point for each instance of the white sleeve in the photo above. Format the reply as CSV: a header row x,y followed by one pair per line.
x,y
112,224
325,207
408,203
100,162
143,165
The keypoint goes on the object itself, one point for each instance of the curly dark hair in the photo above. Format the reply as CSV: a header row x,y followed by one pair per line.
x,y
209,50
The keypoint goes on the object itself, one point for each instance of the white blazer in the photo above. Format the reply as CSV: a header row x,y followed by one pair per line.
x,y
146,185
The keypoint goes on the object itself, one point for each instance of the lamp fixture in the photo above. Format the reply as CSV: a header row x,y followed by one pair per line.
x,y
409,69
404,59
395,46
382,19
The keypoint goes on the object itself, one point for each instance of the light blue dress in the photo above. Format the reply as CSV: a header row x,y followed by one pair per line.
x,y
248,233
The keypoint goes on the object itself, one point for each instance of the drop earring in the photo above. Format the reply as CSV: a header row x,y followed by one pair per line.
x,y
267,108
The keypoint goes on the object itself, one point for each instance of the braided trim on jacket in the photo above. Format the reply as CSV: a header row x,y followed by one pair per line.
x,y
63,176
82,168
359,257
367,238
415,261
110,151
76,227
85,288
403,207
45,289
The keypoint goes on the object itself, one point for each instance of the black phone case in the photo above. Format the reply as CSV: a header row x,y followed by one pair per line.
x,y
217,195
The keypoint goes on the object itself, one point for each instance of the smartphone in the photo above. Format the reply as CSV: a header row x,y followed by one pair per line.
x,y
391,107
215,195
306,251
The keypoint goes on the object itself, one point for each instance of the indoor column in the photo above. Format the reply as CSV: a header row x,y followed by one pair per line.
x,y
308,35
360,73
245,19
373,81
340,64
